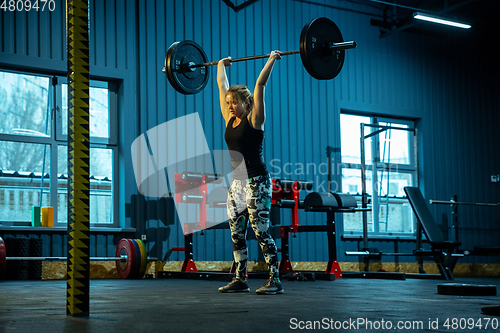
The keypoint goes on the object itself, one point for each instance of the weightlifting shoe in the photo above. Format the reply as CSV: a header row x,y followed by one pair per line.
x,y
271,287
235,286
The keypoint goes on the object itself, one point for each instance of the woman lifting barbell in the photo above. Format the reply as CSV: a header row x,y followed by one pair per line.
x,y
249,197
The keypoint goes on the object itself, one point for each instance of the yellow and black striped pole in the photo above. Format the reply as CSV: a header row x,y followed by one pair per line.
x,y
78,277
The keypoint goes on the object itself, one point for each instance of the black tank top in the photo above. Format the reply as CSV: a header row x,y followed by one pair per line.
x,y
247,141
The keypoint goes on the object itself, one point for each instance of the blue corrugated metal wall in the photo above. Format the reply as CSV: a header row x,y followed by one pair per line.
x,y
446,87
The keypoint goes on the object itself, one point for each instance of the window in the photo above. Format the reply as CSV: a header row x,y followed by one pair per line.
x,y
33,148
387,146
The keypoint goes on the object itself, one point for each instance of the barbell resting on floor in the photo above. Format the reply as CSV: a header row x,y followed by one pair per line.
x,y
321,49
131,258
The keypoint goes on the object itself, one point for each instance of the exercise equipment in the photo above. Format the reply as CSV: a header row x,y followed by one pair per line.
x,y
443,252
321,49
126,268
131,258
144,258
491,310
454,203
330,203
286,194
192,188
441,249
375,130
365,252
463,289
184,78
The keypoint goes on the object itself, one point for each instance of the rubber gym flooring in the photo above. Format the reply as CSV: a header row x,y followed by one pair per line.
x,y
185,305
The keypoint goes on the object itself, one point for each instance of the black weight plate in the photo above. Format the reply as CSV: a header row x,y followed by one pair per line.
x,y
314,52
461,289
185,80
491,310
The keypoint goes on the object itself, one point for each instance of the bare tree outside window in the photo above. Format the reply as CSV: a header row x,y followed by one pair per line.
x,y
24,110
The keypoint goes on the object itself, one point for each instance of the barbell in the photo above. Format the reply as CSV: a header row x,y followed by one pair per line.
x,y
453,203
131,258
321,51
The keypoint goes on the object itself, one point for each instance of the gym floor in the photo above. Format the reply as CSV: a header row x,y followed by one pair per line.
x,y
184,305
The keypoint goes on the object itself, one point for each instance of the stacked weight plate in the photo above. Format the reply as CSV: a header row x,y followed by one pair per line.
x,y
137,258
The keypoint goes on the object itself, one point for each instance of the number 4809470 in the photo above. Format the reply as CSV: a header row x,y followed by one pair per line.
x,y
27,5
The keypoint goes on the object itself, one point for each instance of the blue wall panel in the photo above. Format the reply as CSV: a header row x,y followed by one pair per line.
x,y
449,90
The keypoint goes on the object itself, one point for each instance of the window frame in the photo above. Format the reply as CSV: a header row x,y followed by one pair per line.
x,y
375,167
55,139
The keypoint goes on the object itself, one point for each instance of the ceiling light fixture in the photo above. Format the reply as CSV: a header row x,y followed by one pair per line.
x,y
440,20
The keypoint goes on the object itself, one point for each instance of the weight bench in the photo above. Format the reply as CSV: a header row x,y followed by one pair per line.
x,y
441,249
329,203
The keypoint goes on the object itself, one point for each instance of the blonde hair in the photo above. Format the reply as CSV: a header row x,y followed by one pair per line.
x,y
242,94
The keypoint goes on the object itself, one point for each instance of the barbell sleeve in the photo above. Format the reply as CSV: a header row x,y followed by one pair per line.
x,y
331,46
262,56
341,46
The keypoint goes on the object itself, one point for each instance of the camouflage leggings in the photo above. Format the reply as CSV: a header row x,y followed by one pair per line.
x,y
251,200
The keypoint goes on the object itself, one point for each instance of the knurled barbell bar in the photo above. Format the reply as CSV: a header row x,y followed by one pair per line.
x,y
131,258
330,48
321,50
